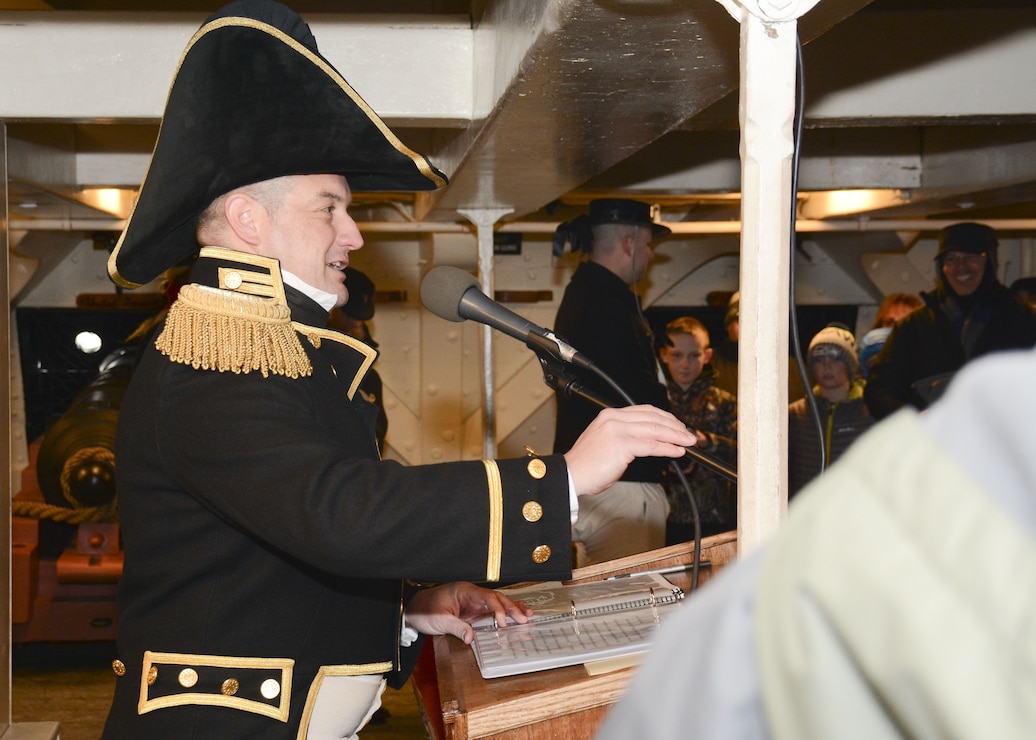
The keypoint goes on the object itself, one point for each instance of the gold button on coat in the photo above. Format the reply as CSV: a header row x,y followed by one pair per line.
x,y
532,511
188,677
152,675
537,468
119,667
541,554
233,280
229,687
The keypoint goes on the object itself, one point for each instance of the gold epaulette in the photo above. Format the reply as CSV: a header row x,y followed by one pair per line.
x,y
212,329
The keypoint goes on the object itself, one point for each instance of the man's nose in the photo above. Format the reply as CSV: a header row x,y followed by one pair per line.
x,y
349,235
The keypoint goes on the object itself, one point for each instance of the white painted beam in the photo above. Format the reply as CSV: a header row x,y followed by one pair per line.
x,y
767,106
110,66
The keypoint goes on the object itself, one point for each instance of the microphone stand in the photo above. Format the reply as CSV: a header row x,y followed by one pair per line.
x,y
557,376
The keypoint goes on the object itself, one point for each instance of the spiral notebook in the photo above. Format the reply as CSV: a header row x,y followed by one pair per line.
x,y
574,624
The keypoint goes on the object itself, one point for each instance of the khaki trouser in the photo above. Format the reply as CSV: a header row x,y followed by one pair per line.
x,y
626,519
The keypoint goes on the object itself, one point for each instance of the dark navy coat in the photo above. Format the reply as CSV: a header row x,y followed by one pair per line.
x,y
266,542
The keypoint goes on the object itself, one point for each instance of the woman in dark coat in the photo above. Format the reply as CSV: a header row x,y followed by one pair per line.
x,y
969,314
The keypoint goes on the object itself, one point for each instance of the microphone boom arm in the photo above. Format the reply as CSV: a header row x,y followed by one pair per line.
x,y
557,377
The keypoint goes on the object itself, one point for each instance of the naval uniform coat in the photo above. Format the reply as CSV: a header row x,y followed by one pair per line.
x,y
266,545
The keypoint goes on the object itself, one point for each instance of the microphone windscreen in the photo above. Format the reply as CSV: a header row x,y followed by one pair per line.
x,y
442,289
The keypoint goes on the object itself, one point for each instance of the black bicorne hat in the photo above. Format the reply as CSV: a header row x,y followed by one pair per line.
x,y
624,211
578,234
252,100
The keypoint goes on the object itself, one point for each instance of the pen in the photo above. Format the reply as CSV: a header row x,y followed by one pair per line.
x,y
660,571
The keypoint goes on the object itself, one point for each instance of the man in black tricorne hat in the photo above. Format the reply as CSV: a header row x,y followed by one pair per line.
x,y
600,316
266,545
969,314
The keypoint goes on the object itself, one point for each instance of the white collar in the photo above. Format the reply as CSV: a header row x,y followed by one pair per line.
x,y
326,300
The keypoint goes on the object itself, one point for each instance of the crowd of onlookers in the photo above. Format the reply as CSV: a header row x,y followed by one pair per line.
x,y
914,346
905,359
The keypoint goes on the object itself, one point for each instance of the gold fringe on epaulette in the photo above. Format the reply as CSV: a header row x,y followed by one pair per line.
x,y
212,329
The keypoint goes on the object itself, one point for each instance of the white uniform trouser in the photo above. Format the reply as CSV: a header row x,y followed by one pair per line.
x,y
344,704
625,519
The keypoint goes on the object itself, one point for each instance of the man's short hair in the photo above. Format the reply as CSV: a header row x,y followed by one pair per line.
x,y
268,193
608,236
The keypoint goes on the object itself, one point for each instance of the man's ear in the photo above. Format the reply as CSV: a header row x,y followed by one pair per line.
x,y
244,217
706,356
629,243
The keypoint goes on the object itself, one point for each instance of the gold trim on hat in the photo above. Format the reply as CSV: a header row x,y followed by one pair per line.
x,y
419,161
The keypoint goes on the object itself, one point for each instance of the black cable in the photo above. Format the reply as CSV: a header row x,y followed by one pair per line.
x,y
675,467
811,400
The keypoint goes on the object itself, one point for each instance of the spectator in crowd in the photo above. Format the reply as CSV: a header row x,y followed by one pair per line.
x,y
894,307
724,355
600,316
724,359
1025,288
838,395
969,314
711,414
351,319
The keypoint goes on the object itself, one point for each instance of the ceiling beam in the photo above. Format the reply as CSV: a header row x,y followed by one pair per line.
x,y
70,66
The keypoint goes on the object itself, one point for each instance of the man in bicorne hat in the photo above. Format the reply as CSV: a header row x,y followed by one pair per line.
x,y
600,316
267,548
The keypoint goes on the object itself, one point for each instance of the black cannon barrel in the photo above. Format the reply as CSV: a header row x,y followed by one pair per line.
x,y
76,463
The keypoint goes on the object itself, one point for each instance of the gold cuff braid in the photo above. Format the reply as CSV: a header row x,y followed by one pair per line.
x,y
212,329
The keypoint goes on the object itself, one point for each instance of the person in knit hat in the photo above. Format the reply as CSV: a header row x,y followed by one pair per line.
x,y
834,365
836,342
969,314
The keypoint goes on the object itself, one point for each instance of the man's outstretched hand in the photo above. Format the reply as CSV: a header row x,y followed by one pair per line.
x,y
617,436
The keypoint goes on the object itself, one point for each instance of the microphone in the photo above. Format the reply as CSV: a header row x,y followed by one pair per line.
x,y
455,295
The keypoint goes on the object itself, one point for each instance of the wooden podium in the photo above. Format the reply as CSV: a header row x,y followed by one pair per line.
x,y
563,702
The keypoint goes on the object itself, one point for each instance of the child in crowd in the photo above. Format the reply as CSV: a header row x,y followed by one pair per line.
x,y
711,414
833,363
892,309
